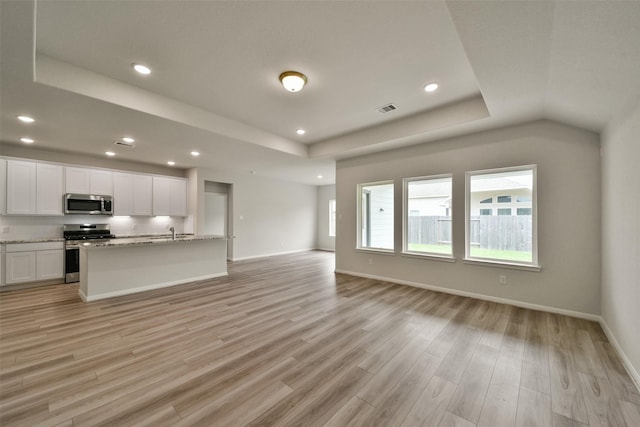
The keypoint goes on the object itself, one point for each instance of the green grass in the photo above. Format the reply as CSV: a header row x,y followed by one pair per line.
x,y
516,256
434,249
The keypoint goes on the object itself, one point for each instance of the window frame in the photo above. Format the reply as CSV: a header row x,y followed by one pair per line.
x,y
332,217
359,190
405,216
534,218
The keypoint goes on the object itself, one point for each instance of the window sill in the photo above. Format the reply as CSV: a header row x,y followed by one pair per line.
x,y
510,265
376,251
431,257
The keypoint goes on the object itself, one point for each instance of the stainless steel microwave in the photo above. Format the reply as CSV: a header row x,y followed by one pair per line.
x,y
88,204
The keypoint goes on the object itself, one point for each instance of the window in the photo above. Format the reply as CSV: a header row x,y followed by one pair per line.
x,y
429,232
332,217
503,237
375,216
488,200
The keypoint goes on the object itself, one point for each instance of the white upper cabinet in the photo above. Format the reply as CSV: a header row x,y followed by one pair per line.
x,y
142,195
49,189
34,188
132,194
89,181
169,196
3,186
178,197
77,180
21,188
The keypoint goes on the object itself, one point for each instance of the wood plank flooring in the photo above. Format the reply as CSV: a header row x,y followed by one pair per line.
x,y
284,341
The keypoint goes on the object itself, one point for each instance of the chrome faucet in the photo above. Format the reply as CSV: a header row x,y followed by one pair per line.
x,y
173,232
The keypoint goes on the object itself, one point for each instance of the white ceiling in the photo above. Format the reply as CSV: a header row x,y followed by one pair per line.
x,y
215,65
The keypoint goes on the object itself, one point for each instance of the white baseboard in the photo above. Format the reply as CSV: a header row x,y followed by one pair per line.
x,y
631,370
148,288
516,303
272,254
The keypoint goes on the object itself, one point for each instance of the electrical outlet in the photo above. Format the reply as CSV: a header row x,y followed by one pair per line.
x,y
133,226
370,261
502,279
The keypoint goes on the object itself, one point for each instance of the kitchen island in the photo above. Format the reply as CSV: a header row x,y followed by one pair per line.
x,y
128,265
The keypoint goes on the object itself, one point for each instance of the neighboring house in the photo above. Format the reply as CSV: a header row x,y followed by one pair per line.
x,y
501,196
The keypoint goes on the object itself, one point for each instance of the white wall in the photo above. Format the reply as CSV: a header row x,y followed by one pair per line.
x,y
568,213
621,234
269,216
325,242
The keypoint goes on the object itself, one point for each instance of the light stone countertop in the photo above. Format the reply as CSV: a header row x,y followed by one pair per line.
x,y
148,240
51,239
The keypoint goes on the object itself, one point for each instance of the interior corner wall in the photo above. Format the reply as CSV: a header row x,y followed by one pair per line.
x,y
325,242
270,216
621,235
568,189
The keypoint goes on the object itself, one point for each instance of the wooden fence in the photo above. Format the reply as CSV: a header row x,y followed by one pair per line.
x,y
502,232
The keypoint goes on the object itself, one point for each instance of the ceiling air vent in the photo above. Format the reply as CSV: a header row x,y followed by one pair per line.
x,y
386,108
124,144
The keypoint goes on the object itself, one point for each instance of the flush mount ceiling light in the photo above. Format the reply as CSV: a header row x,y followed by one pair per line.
x,y
319,176
26,119
128,139
142,69
170,163
301,131
195,153
431,87
27,140
293,81
110,153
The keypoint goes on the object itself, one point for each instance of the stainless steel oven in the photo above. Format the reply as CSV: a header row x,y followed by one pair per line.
x,y
74,235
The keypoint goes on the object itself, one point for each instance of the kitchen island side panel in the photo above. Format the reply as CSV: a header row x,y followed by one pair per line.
x,y
120,270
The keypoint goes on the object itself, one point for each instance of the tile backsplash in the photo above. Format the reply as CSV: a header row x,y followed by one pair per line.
x,y
44,227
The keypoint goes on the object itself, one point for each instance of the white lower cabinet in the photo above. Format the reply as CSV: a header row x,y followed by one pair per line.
x,y
21,267
49,264
32,262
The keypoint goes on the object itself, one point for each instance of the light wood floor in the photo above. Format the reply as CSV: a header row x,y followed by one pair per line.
x,y
284,341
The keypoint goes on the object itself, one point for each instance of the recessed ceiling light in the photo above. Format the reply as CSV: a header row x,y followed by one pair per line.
x,y
171,163
252,172
27,140
128,139
110,153
195,153
142,69
26,119
293,81
301,131
319,176
431,87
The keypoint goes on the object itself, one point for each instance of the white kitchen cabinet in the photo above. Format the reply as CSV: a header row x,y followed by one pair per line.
x,y
50,264
21,267
34,188
21,187
49,189
169,196
178,197
142,195
89,181
122,193
132,194
3,187
32,262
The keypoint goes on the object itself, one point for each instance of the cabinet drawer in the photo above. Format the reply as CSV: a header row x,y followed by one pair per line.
x,y
25,247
